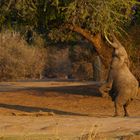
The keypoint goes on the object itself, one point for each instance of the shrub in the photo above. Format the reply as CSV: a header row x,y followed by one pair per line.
x,y
59,64
82,70
18,60
133,48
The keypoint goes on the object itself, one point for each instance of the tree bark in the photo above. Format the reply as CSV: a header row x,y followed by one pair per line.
x,y
96,41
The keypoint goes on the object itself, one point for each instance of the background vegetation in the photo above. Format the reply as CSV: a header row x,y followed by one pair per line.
x,y
18,60
35,33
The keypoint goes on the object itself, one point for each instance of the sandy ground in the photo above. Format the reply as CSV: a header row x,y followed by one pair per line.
x,y
62,110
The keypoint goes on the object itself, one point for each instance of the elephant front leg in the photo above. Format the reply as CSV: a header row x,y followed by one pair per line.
x,y
104,89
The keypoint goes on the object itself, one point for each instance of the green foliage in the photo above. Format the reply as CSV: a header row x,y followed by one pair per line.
x,y
136,18
37,13
93,15
99,15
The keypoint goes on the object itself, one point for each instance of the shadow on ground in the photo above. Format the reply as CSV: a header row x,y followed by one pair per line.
x,y
31,109
85,90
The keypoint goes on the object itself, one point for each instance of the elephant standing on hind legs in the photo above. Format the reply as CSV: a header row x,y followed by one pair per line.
x,y
121,84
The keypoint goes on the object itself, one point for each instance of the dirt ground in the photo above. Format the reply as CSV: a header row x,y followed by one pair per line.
x,y
62,110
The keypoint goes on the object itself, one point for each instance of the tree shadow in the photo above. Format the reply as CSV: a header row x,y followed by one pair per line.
x,y
86,90
31,109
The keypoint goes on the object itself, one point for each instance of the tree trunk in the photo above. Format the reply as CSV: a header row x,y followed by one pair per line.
x,y
103,51
97,67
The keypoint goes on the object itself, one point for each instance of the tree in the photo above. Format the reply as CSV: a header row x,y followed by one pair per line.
x,y
93,18
90,18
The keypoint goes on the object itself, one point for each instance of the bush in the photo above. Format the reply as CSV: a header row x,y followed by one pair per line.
x,y
82,70
83,59
59,64
18,60
133,48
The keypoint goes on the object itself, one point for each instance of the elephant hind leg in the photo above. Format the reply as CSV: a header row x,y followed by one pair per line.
x,y
118,108
126,114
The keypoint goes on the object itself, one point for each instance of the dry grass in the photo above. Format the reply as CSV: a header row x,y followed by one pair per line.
x,y
18,60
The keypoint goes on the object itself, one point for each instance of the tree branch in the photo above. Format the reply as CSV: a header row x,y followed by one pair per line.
x,y
9,4
94,39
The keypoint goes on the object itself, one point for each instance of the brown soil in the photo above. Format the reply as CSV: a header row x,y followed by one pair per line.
x,y
67,109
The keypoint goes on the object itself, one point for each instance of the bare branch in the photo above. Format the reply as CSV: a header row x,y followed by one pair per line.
x,y
9,4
